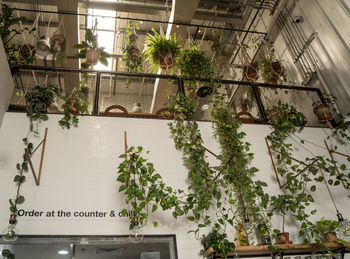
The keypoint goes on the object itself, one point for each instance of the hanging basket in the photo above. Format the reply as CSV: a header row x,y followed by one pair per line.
x,y
277,67
165,60
56,42
134,53
26,52
132,38
92,56
250,73
43,48
323,113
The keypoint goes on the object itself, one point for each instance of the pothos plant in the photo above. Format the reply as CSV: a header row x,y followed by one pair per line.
x,y
9,30
217,241
161,52
38,99
227,189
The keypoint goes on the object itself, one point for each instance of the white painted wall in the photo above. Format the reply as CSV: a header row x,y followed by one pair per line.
x,y
80,169
6,83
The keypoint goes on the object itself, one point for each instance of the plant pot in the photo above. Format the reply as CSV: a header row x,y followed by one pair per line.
x,y
330,237
323,113
204,91
134,53
283,238
263,235
209,251
92,56
165,60
27,51
277,67
43,47
250,73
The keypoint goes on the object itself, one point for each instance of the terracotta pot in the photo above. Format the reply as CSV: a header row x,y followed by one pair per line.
x,y
323,113
250,73
283,238
330,237
92,56
277,68
164,61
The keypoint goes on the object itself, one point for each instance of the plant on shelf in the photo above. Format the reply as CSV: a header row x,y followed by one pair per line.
x,y
216,241
132,56
8,31
75,103
90,52
281,204
162,52
271,69
325,230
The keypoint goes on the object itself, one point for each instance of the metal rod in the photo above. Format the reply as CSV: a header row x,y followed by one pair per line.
x,y
97,94
259,103
143,20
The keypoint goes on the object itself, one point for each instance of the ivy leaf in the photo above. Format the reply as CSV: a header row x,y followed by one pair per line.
x,y
313,188
122,188
155,224
18,166
190,218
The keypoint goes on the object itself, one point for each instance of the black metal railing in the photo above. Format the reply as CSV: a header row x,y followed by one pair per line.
x,y
264,95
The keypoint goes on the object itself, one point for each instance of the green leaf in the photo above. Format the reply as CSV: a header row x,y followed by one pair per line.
x,y
122,188
6,252
190,218
18,166
155,224
154,207
20,199
313,188
124,212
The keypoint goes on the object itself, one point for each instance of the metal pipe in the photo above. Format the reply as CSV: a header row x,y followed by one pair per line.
x,y
143,20
333,66
97,94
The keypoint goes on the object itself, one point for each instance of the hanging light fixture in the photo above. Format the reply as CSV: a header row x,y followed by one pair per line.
x,y
43,48
8,234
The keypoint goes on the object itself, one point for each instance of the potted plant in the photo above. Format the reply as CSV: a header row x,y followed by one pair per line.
x,y
218,242
194,63
285,117
271,68
250,72
281,205
90,51
161,52
74,103
132,56
38,99
322,108
326,229
8,31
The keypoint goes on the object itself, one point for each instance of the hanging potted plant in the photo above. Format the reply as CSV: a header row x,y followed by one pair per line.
x,y
250,72
161,52
132,56
38,100
322,109
285,117
90,51
281,205
75,103
8,31
271,68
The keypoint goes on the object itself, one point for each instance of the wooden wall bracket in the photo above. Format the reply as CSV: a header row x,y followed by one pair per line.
x,y
29,157
290,157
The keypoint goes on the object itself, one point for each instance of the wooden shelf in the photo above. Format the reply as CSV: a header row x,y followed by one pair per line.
x,y
295,249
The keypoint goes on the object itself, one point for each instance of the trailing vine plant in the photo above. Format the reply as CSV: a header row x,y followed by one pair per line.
x,y
227,189
299,176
